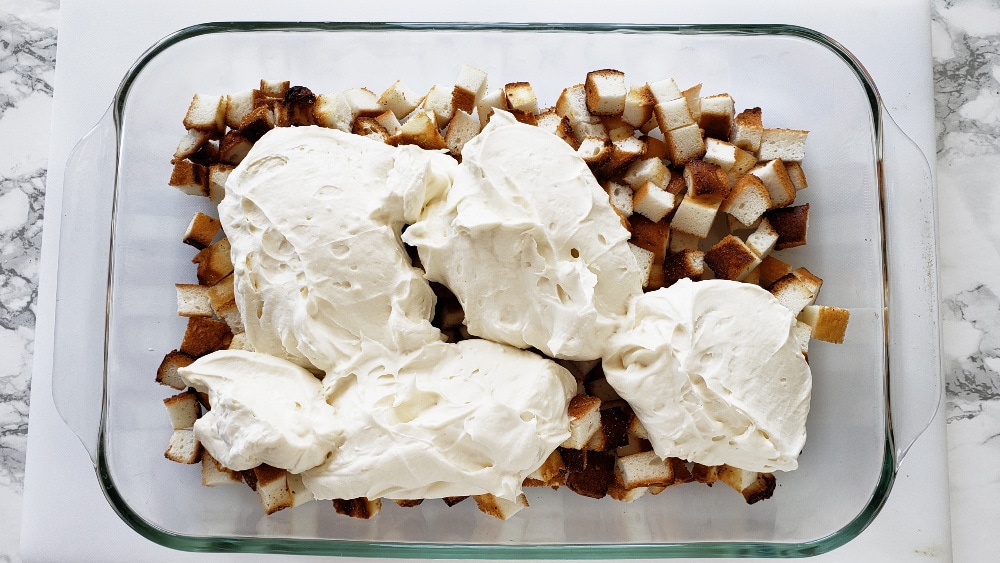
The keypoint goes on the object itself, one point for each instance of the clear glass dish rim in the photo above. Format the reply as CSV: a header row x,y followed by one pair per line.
x,y
852,529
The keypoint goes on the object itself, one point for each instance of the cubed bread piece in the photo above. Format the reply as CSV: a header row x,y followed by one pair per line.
x,y
775,178
655,147
583,129
400,99
735,225
438,102
647,170
621,197
217,176
644,469
720,153
370,127
693,97
683,264
633,444
635,428
166,373
551,472
521,96
787,144
572,104
390,123
333,111
684,144
299,102
214,262
184,447
237,106
192,300
762,240
204,335
772,269
796,175
705,181
796,290
469,86
214,474
452,501
717,113
183,409
498,507
707,474
652,201
748,200
584,420
664,91
363,103
595,477
606,91
240,342
745,161
673,114
557,125
752,485
460,131
648,126
358,507
201,230
192,141
802,333
828,324
625,149
223,301
695,216
618,492
274,88
594,150
525,117
731,259
791,223
207,113
747,130
256,123
421,130
654,236
408,503
753,277
272,488
491,99
300,494
638,106
233,148
190,178
679,240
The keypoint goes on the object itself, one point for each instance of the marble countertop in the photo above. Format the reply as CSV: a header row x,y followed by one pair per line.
x,y
966,51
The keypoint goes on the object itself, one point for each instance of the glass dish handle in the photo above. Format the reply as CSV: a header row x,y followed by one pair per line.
x,y
914,331
82,282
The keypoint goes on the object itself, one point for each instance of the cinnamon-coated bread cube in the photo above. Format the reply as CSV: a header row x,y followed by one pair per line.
x,y
606,92
748,127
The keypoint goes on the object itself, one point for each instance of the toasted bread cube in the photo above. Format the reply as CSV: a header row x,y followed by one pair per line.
x,y
731,259
192,300
332,111
491,99
460,131
300,494
638,106
606,91
644,258
400,99
240,342
652,201
438,102
618,492
370,127
362,103
664,91
673,114
813,282
525,117
183,409
791,223
828,324
644,469
204,335
469,86
408,503
390,123
720,153
206,113
498,507
358,507
184,447
772,269
299,102
625,149
521,96
684,144
683,264
762,241
707,474
222,298
747,130
653,236
779,185
796,175
190,143
735,225
705,181
695,216
217,176
214,262
586,129
234,148
237,106
745,161
190,178
787,144
557,125
272,488
550,473
635,428
596,476
201,230
633,444
679,240
584,420
748,200
794,292
214,474
717,113
693,97
752,485
572,104
647,170
257,122
421,130
594,150
166,373
802,333
452,501
274,88
621,197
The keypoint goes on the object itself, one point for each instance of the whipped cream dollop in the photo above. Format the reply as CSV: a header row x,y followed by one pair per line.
x,y
314,218
449,420
713,372
264,410
529,243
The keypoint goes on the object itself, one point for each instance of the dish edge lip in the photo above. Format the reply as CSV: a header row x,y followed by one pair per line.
x,y
353,548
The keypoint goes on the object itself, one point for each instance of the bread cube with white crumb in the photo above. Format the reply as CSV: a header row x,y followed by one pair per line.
x,y
421,129
652,201
183,409
763,239
664,90
673,114
828,324
796,290
201,230
647,170
521,96
752,485
166,373
720,153
333,111
684,144
654,236
679,240
683,264
400,99
370,127
214,474
775,178
625,148
731,259
499,508
207,113
744,162
217,176
192,300
644,469
272,488
787,144
717,114
606,92
184,447
390,123
638,108
469,86
274,88
594,150
362,103
190,143
584,420
748,127
621,197
693,97
557,125
462,129
796,175
190,178
748,200
644,258
490,100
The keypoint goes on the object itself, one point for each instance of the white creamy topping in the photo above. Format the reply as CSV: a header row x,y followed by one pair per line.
x,y
264,410
529,243
715,375
314,218
449,420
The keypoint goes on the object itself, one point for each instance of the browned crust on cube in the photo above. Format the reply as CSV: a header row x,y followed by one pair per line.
x,y
683,264
408,503
706,181
188,174
202,230
214,262
166,374
358,507
791,225
204,335
300,101
452,501
730,258
611,434
707,474
234,147
595,478
260,120
772,269
655,147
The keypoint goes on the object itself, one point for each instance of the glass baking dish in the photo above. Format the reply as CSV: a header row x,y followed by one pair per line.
x,y
871,237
